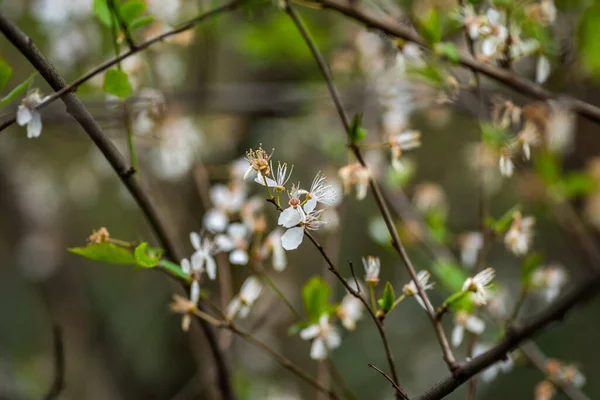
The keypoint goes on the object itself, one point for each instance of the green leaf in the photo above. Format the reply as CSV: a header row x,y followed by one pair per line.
x,y
448,51
530,264
500,226
436,221
117,83
430,26
357,134
450,275
297,327
494,136
5,74
577,184
315,296
17,91
387,299
588,43
102,12
130,10
105,252
174,269
141,22
147,257
548,168
400,178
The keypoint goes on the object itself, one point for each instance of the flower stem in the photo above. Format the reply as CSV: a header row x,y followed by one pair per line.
x,y
398,301
372,295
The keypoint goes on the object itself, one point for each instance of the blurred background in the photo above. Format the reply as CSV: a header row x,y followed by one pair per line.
x,y
199,102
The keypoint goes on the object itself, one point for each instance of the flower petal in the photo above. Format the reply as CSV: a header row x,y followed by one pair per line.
x,y
195,292
224,243
290,217
318,351
185,266
237,231
475,325
309,333
211,268
542,70
215,220
238,257
457,335
34,127
292,238
23,115
195,239
310,205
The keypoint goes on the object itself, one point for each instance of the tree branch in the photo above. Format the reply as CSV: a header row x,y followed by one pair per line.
x,y
383,208
76,108
126,32
514,336
508,78
115,60
58,383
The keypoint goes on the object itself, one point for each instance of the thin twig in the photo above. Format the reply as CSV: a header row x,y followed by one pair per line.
x,y
126,32
76,108
383,208
507,77
58,383
386,377
115,60
355,293
354,276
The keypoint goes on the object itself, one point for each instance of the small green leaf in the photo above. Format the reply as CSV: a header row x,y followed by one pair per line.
x,y
295,328
147,257
173,269
500,226
548,168
102,12
117,83
494,136
387,299
5,74
450,275
17,91
530,264
357,134
449,51
577,184
130,10
588,43
315,296
436,221
141,22
105,252
430,26
400,178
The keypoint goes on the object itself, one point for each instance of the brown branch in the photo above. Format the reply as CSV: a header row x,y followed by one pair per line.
x,y
515,334
58,383
114,61
390,380
355,293
383,208
76,108
508,78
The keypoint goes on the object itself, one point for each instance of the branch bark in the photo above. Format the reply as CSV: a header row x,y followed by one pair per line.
x,y
76,108
507,77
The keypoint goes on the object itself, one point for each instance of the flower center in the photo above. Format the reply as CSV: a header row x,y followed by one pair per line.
x,y
294,202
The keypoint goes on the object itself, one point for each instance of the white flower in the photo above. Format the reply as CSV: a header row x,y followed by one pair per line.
x,y
279,179
372,266
572,375
227,200
529,136
560,128
325,337
542,69
493,370
273,245
545,390
463,320
520,235
549,280
259,162
355,175
241,304
429,197
28,115
320,192
349,311
403,141
194,271
478,285
292,238
506,165
236,242
411,289
470,245
203,257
